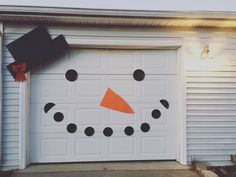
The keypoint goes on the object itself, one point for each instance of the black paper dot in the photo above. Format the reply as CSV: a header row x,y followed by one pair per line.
x,y
129,130
71,128
107,131
48,106
58,116
145,127
89,131
156,113
71,75
165,103
138,75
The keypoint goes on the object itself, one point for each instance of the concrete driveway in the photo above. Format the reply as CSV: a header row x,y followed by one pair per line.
x,y
155,173
112,169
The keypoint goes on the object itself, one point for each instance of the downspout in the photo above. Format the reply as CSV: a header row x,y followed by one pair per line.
x,y
1,58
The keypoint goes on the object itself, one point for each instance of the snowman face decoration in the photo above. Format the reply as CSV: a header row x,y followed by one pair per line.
x,y
111,100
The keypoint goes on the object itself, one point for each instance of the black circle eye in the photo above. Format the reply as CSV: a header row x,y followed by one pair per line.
x,y
71,128
58,116
107,131
71,75
138,75
89,131
145,127
156,114
129,130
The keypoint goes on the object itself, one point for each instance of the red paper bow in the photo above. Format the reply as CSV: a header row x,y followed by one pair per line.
x,y
19,70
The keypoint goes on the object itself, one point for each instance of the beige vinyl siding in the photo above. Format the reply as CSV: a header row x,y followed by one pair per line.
x,y
211,109
10,115
211,95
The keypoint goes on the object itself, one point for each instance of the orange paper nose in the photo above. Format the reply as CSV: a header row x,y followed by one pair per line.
x,y
113,101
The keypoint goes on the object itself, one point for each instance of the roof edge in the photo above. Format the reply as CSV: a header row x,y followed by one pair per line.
x,y
117,13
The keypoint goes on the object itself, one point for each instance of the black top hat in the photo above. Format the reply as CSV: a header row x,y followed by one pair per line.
x,y
34,49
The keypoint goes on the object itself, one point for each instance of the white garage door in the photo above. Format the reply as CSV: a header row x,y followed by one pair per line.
x,y
62,134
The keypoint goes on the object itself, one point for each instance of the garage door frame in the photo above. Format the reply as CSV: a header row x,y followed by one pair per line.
x,y
115,42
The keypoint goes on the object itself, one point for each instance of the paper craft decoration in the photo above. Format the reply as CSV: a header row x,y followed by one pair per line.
x,y
71,75
71,128
138,75
145,127
34,49
108,131
115,102
89,131
58,117
165,103
129,131
156,114
48,106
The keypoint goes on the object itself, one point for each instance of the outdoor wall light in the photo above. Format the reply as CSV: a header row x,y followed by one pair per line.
x,y
205,54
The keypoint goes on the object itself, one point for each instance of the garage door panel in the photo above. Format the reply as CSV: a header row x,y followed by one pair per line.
x,y
150,148
158,62
89,88
125,87
119,59
94,61
88,148
90,60
54,67
50,147
122,146
159,86
161,144
153,59
155,88
117,118
88,116
50,87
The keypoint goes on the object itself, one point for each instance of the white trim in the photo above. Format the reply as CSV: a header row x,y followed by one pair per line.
x,y
181,103
24,122
1,60
121,43
1,29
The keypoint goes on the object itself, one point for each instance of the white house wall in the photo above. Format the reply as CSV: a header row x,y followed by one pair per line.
x,y
211,104
11,111
210,85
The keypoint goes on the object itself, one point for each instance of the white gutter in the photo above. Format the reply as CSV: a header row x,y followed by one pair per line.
x,y
118,13
104,17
